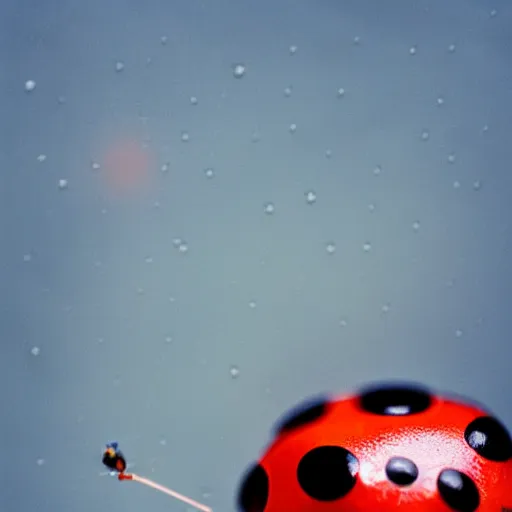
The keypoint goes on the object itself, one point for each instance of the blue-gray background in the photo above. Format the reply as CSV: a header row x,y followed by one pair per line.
x,y
109,331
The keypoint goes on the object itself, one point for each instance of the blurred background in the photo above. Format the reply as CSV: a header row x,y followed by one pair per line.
x,y
212,210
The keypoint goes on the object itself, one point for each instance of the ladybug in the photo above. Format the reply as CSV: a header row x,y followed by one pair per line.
x,y
392,447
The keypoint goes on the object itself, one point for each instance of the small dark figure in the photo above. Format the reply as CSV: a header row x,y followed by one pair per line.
x,y
113,459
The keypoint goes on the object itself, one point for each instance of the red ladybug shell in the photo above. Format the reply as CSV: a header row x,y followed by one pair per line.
x,y
387,448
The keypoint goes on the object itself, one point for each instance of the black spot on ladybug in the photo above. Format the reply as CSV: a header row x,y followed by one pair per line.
x,y
401,471
327,473
303,414
489,438
395,400
458,491
253,493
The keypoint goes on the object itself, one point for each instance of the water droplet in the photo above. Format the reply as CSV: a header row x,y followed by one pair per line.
x,y
416,225
493,13
27,257
176,242
377,170
119,66
356,40
148,260
485,128
310,196
41,158
477,185
95,166
193,100
206,493
185,137
425,135
330,247
35,351
451,158
340,92
252,304
30,85
371,207
293,49
451,48
234,371
385,308
458,333
292,128
163,40
328,153
343,323
269,208
163,442
165,167
62,184
40,462
412,50
287,91
456,184
440,101
239,70
367,247
183,247
209,172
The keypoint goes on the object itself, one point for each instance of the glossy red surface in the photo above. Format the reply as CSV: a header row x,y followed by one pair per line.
x,y
433,440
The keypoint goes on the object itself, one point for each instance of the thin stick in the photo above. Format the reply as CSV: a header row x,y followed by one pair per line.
x,y
166,490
